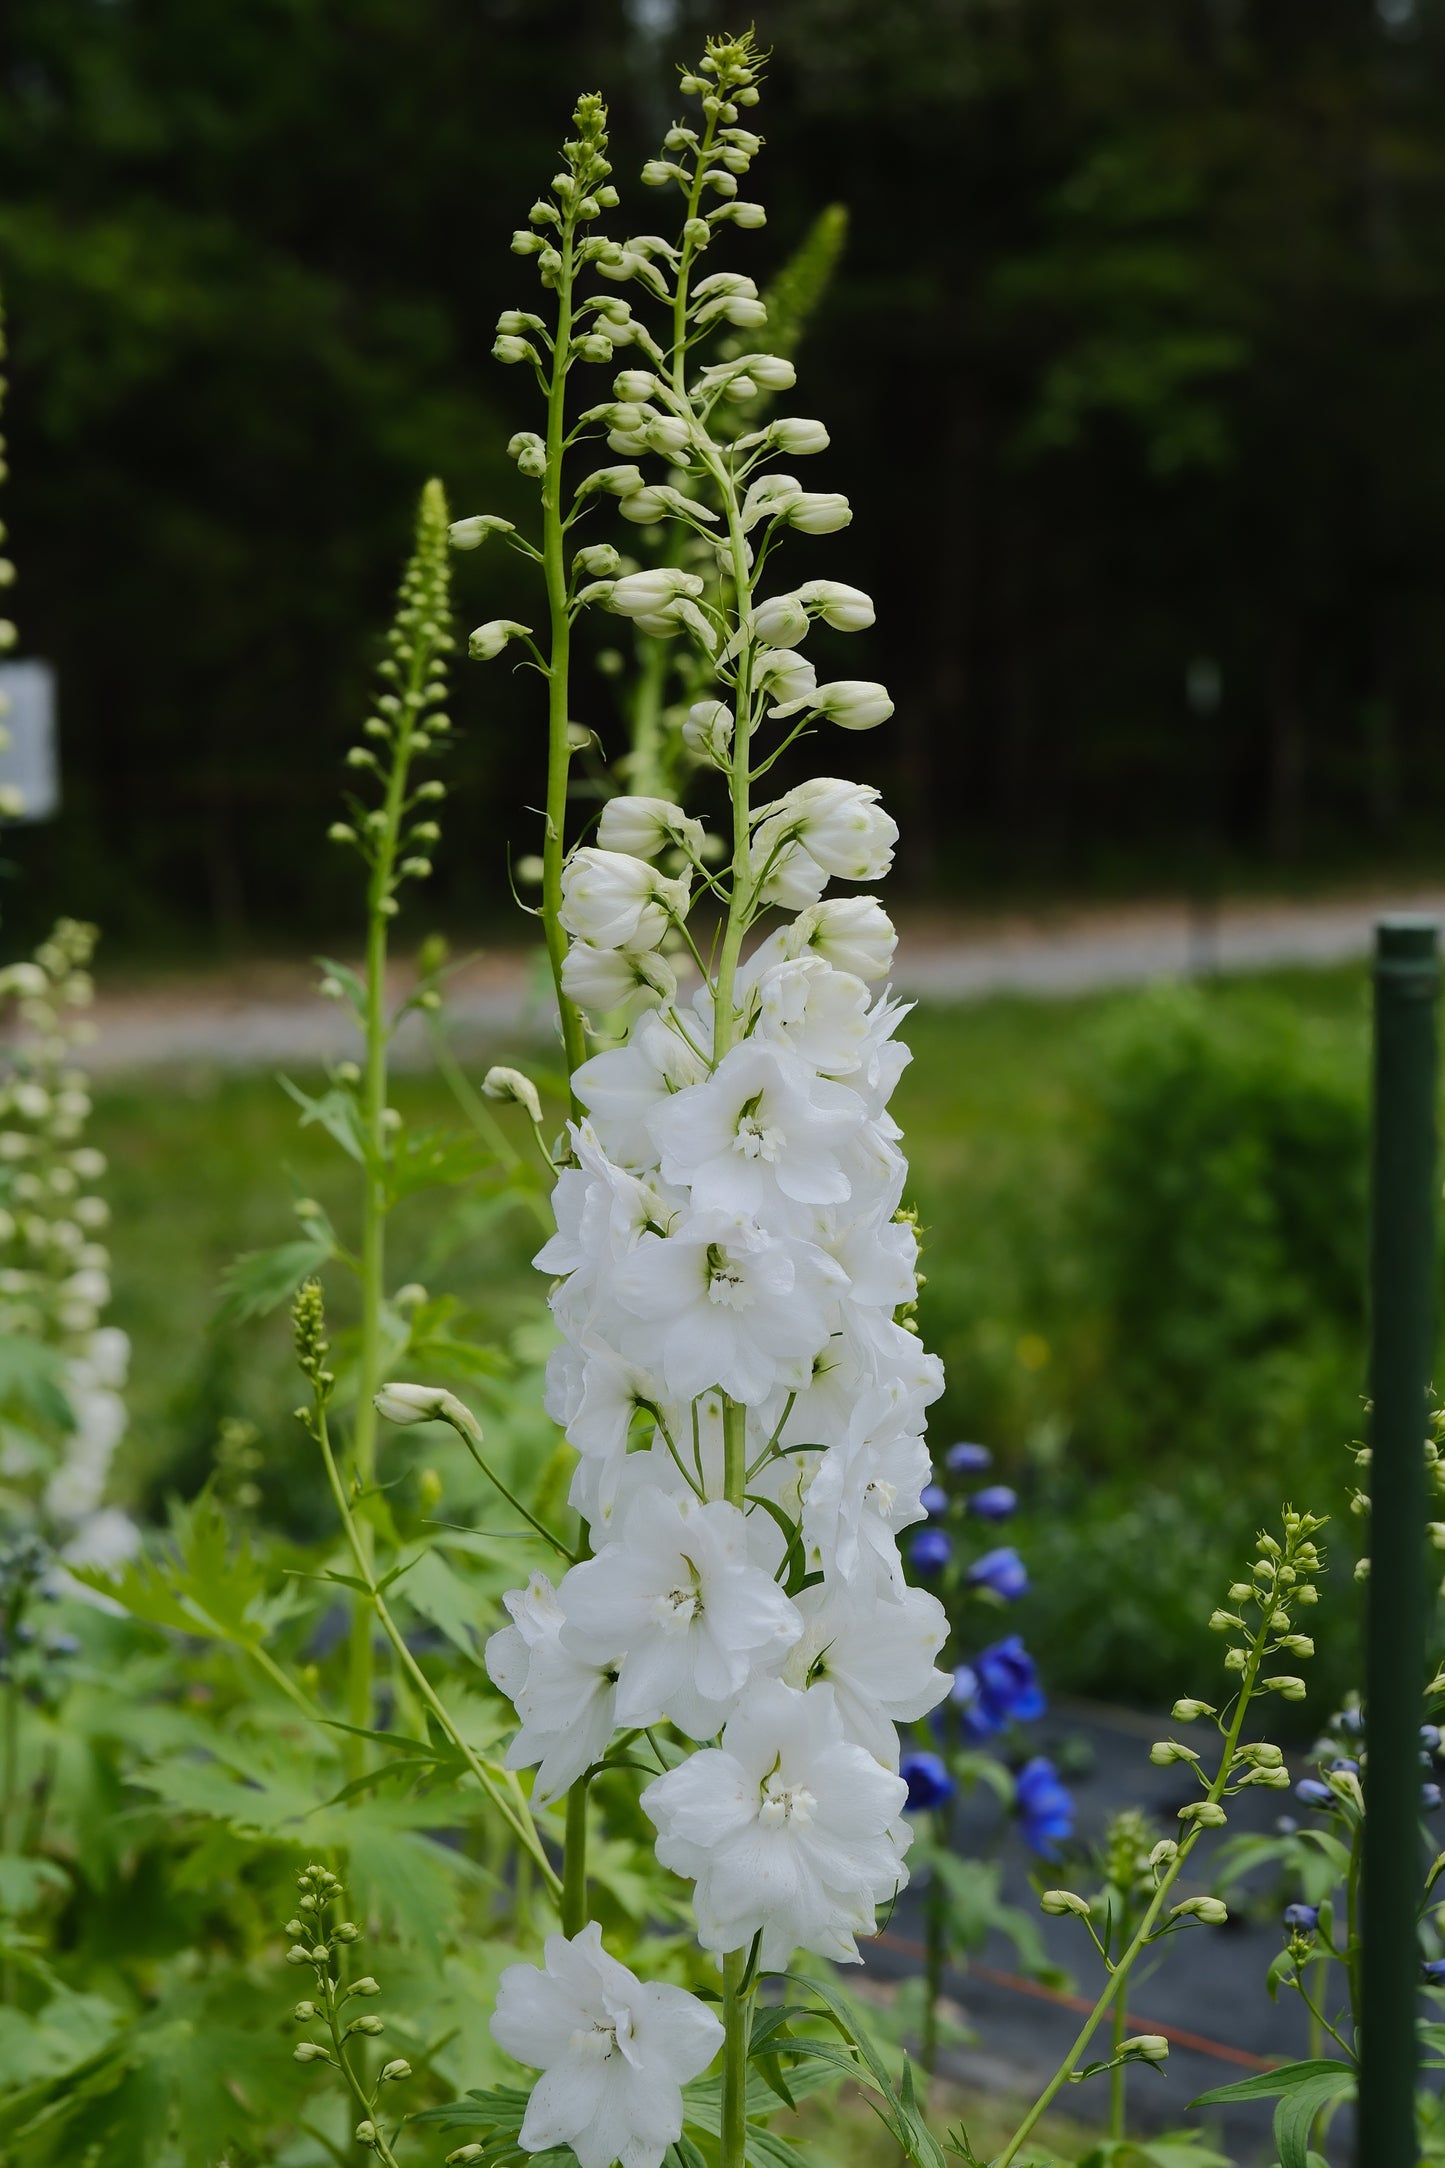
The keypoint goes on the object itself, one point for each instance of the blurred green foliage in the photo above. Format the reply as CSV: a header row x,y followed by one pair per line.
x,y
1134,356
1143,1233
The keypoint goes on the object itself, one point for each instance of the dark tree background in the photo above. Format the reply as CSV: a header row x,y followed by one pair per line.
x,y
1136,362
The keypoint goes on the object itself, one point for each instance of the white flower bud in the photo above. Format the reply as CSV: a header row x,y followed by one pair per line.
x,y
488,640
406,1404
1164,1752
635,385
645,826
508,349
708,731
503,1083
1164,1854
1211,1910
781,621
1061,1901
616,901
797,438
1145,2048
1189,1712
612,481
1287,1688
854,703
600,980
599,561
787,677
823,513
841,825
1205,1813
853,933
642,594
846,609
469,534
770,372
771,497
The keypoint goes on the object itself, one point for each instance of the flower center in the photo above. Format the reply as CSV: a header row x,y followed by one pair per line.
x,y
754,1138
726,1281
679,1606
784,1802
881,1495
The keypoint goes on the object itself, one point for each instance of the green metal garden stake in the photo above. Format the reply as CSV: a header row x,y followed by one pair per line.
x,y
1407,979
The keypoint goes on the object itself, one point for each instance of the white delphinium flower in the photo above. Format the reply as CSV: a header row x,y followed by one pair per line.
x,y
614,2052
728,1304
867,1488
761,1129
841,825
787,1829
875,1645
679,1596
567,1701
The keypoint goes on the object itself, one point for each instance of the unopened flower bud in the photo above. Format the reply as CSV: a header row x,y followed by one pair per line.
x,y
1210,1910
308,2051
1164,1752
1145,2048
503,1083
304,2012
823,513
1189,1712
854,703
392,2073
421,1404
366,2133
470,534
371,2026
1061,1901
488,640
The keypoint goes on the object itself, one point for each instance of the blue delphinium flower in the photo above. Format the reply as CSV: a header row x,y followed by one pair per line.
x,y
927,1776
1002,1571
1302,1919
1429,1798
1430,1738
967,1459
934,1500
1000,1687
1313,1793
1344,1766
1045,1808
930,1551
1433,1971
995,1503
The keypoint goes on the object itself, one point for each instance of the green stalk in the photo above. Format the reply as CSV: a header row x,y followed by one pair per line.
x,y
935,1951
559,752
1118,2076
375,1197
1118,1979
735,2060
574,1861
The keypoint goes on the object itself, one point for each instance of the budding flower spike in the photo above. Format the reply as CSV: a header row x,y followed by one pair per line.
x,y
733,1267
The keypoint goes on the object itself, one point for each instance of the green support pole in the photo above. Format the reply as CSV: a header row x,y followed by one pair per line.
x,y
1402,1242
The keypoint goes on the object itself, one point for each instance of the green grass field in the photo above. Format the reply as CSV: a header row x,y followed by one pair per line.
x,y
1003,1110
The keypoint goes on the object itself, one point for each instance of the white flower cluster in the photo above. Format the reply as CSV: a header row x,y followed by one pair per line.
x,y
54,1269
732,1230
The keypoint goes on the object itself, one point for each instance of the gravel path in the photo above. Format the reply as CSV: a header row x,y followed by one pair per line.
x,y
262,1016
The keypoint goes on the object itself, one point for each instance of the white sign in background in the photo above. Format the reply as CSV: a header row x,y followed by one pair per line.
x,y
29,764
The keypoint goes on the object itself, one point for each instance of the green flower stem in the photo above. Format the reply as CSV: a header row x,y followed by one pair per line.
x,y
500,1786
365,2103
1118,2075
574,1861
935,1954
554,572
376,1201
9,1760
1114,1987
736,2008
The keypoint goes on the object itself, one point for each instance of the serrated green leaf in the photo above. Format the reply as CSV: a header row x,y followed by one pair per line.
x,y
262,1280
336,1112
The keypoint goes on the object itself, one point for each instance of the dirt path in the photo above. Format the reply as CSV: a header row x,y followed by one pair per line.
x,y
263,1015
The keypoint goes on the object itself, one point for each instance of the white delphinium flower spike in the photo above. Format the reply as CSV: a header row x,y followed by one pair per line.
x,y
614,2052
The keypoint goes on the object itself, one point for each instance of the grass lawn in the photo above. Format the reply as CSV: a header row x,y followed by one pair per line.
x,y
1001,1110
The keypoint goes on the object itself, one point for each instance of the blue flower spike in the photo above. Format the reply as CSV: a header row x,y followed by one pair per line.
x,y
929,1781
1045,1807
1001,1572
930,1551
